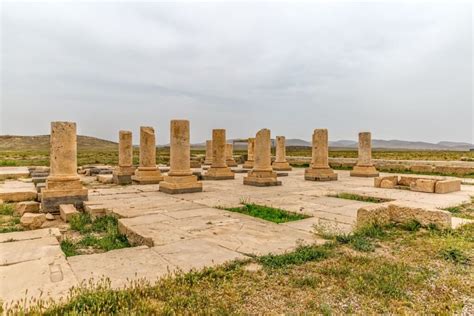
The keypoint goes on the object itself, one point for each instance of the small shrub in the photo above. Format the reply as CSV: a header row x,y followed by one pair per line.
x,y
411,226
271,214
81,223
69,248
454,255
6,209
301,255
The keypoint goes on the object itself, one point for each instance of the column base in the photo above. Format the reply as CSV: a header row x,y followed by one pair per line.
x,y
51,199
320,174
219,174
123,175
180,184
261,179
207,162
281,166
248,164
147,176
231,163
364,171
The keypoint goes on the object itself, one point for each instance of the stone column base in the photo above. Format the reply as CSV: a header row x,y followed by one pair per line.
x,y
207,162
123,175
364,171
261,179
147,176
219,174
320,174
180,184
231,163
51,199
281,166
248,164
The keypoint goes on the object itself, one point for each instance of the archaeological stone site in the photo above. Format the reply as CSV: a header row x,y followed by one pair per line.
x,y
236,158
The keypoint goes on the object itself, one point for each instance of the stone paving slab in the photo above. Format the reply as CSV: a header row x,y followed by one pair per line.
x,y
13,172
17,191
30,234
28,250
121,266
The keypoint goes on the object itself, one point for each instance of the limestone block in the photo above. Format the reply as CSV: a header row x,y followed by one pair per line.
x,y
447,186
371,214
27,207
387,184
195,164
32,221
423,185
179,185
364,171
422,169
320,174
49,217
67,211
262,179
105,178
407,181
392,179
404,212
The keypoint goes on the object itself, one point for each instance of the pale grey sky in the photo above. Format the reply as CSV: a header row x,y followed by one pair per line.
x,y
400,70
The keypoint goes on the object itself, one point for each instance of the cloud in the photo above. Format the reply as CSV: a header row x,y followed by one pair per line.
x,y
400,70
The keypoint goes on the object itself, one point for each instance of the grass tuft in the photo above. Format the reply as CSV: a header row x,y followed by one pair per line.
x,y
361,198
301,255
268,213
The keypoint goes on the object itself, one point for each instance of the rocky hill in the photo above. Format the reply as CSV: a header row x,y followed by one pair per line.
x,y
41,143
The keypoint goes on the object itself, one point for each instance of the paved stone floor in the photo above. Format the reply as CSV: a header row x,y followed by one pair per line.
x,y
189,230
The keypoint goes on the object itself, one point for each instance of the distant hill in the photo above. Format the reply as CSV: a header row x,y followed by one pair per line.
x,y
41,143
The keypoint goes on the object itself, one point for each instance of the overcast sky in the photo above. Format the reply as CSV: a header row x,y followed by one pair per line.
x,y
402,71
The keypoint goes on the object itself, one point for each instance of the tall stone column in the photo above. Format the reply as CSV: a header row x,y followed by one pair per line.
x,y
219,169
364,166
229,155
262,174
123,173
180,178
208,160
319,169
63,185
280,163
250,153
147,172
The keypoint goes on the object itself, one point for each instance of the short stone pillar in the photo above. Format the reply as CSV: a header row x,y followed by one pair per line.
x,y
319,169
180,178
229,156
262,174
63,185
364,166
208,160
219,169
280,163
147,172
250,152
124,172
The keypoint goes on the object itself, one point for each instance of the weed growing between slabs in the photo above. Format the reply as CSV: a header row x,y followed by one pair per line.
x,y
361,198
465,210
268,213
92,236
9,221
422,271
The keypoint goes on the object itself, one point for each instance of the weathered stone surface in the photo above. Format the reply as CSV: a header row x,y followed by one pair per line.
x,y
180,178
147,172
387,184
280,163
423,185
49,217
229,156
219,169
262,173
407,181
67,211
17,191
364,166
13,173
208,160
319,169
248,164
27,207
105,178
30,234
391,181
447,186
32,220
123,173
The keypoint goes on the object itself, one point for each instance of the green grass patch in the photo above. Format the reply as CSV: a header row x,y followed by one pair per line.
x,y
464,210
100,234
301,255
361,198
9,221
6,209
268,213
454,255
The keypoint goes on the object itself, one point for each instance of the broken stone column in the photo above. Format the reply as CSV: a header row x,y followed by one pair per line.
x,y
250,152
319,169
63,185
147,172
219,169
180,178
229,156
280,163
262,174
208,160
124,172
364,166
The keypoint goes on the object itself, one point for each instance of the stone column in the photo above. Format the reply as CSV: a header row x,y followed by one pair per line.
x,y
364,166
219,169
319,169
280,163
229,155
262,173
63,185
250,153
208,160
123,173
180,178
147,172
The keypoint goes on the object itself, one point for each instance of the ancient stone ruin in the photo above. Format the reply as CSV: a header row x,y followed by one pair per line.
x,y
418,184
229,155
147,172
124,171
319,169
280,163
208,159
250,153
364,166
219,169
